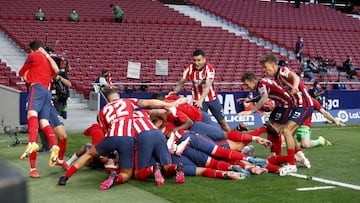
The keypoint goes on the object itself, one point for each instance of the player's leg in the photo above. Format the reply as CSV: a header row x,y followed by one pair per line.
x,y
34,104
289,129
218,112
78,153
124,146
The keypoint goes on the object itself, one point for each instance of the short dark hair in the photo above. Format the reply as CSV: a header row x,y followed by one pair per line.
x,y
248,76
104,72
268,58
110,92
157,95
35,45
199,52
111,5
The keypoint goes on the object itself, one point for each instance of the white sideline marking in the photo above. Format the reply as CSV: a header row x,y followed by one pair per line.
x,y
314,188
322,180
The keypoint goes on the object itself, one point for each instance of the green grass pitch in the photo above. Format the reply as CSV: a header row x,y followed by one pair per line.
x,y
340,162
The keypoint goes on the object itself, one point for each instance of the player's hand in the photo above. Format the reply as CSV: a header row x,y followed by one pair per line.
x,y
265,142
294,90
245,113
42,50
338,123
198,103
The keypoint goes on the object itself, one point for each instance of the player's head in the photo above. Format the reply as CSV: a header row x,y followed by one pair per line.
x,y
112,95
104,73
249,79
157,95
35,45
270,64
199,59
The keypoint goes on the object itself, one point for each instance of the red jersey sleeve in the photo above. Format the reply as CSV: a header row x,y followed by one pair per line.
x,y
26,65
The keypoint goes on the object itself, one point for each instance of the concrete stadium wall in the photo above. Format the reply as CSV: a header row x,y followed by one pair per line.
x,y
9,107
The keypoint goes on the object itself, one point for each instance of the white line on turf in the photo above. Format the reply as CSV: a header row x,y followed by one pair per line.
x,y
322,180
315,188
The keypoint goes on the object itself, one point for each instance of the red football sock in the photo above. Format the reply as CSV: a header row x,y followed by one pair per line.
x,y
277,160
272,168
298,150
211,173
143,173
50,134
291,156
72,170
276,144
62,146
238,162
33,126
170,171
221,165
32,159
228,154
258,131
238,136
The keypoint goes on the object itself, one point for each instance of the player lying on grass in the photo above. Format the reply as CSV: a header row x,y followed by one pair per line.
x,y
116,120
303,133
150,145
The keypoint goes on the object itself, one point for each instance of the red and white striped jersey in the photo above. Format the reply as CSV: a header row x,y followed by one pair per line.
x,y
275,92
142,122
198,79
116,118
302,98
317,107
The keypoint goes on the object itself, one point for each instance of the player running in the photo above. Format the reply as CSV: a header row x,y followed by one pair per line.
x,y
303,105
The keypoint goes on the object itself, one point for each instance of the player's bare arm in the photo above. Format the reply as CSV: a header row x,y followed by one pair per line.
x,y
179,86
53,64
296,81
258,106
208,84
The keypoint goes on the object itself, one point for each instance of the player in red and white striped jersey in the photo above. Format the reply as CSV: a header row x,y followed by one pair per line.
x,y
116,119
268,88
202,75
303,105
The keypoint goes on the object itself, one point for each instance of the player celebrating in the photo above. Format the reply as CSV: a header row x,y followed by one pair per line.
x,y
116,119
38,70
270,89
303,105
202,75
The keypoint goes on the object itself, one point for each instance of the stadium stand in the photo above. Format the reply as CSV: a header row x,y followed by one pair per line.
x,y
151,31
281,24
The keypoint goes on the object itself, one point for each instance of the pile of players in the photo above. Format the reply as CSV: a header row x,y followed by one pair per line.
x,y
165,137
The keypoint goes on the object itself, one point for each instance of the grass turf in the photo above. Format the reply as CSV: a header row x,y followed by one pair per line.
x,y
339,162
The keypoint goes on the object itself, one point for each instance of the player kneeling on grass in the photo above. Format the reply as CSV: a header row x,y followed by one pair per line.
x,y
303,133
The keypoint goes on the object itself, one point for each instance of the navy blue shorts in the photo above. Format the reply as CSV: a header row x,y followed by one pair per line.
x,y
124,145
280,115
300,114
211,131
54,118
189,166
215,108
151,144
199,142
39,100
